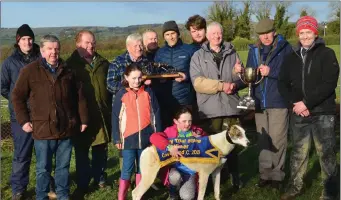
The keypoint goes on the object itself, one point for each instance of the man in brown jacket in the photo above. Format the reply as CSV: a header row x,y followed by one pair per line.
x,y
58,110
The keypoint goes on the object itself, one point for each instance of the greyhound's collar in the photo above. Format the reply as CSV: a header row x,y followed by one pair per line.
x,y
228,138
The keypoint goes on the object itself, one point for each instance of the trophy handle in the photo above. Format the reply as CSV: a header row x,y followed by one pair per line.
x,y
240,76
260,80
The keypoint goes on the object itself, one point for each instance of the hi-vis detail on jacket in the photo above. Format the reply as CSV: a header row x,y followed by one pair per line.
x,y
192,149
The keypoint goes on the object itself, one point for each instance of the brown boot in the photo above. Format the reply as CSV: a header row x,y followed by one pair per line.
x,y
52,195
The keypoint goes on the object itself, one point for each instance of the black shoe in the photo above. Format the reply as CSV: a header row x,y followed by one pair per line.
x,y
235,188
326,196
276,184
291,194
263,183
18,196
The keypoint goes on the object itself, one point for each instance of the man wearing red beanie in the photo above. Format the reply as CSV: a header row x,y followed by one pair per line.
x,y
307,81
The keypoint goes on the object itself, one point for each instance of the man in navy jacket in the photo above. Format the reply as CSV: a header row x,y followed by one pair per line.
x,y
272,120
24,53
173,93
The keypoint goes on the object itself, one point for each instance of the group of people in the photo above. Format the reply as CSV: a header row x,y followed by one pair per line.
x,y
87,101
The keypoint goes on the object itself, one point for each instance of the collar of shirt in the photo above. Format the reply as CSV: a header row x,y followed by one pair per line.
x,y
92,64
50,68
222,47
135,60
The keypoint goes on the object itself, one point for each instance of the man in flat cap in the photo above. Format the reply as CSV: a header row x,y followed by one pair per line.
x,y
271,111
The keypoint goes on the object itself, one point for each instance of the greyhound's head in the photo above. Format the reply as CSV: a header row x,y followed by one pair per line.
x,y
236,135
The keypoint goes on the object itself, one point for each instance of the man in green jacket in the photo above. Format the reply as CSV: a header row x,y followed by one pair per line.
x,y
91,69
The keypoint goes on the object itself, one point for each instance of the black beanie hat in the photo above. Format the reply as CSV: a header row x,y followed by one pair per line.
x,y
170,26
24,30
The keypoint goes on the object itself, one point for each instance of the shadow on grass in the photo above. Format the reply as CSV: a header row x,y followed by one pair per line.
x,y
112,179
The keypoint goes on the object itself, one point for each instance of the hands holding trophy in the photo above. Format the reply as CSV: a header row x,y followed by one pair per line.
x,y
160,70
249,76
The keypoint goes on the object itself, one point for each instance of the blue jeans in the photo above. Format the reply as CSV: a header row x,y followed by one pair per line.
x,y
23,146
129,158
98,164
45,150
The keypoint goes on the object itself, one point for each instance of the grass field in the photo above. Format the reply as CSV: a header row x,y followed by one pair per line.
x,y
248,166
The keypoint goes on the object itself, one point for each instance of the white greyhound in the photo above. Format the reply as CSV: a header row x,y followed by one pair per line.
x,y
224,141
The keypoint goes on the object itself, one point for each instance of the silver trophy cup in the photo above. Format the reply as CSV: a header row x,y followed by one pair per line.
x,y
249,77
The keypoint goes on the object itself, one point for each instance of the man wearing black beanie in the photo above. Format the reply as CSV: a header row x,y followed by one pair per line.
x,y
24,30
25,52
179,91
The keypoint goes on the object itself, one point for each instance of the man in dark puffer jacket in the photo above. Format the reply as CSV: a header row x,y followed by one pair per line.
x,y
173,93
307,80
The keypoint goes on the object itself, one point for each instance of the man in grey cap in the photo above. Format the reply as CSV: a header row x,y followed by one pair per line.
x,y
271,115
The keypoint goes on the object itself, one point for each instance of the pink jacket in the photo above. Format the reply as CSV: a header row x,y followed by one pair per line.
x,y
160,140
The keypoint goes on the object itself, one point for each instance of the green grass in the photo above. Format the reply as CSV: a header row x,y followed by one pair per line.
x,y
248,166
248,170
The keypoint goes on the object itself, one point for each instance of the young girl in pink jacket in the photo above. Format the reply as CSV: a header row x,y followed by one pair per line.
x,y
178,175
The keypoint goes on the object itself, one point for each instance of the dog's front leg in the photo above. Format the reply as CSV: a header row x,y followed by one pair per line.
x,y
216,182
203,178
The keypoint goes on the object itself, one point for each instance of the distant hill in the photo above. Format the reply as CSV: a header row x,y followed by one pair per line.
x,y
7,35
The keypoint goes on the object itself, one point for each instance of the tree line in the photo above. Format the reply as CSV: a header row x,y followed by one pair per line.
x,y
237,22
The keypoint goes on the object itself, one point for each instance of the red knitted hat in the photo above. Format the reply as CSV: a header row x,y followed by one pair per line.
x,y
307,22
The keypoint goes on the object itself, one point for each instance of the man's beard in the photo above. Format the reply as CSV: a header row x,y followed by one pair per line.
x,y
153,49
200,42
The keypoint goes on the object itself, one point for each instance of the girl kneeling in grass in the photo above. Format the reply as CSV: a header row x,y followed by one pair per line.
x,y
178,175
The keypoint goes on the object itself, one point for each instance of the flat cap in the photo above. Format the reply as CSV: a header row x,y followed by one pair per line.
x,y
265,25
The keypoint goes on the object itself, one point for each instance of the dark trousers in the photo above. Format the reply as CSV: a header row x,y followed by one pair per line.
x,y
216,125
23,146
84,171
320,129
45,151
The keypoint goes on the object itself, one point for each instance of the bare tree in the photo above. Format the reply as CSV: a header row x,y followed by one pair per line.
x,y
307,10
224,13
262,9
335,7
